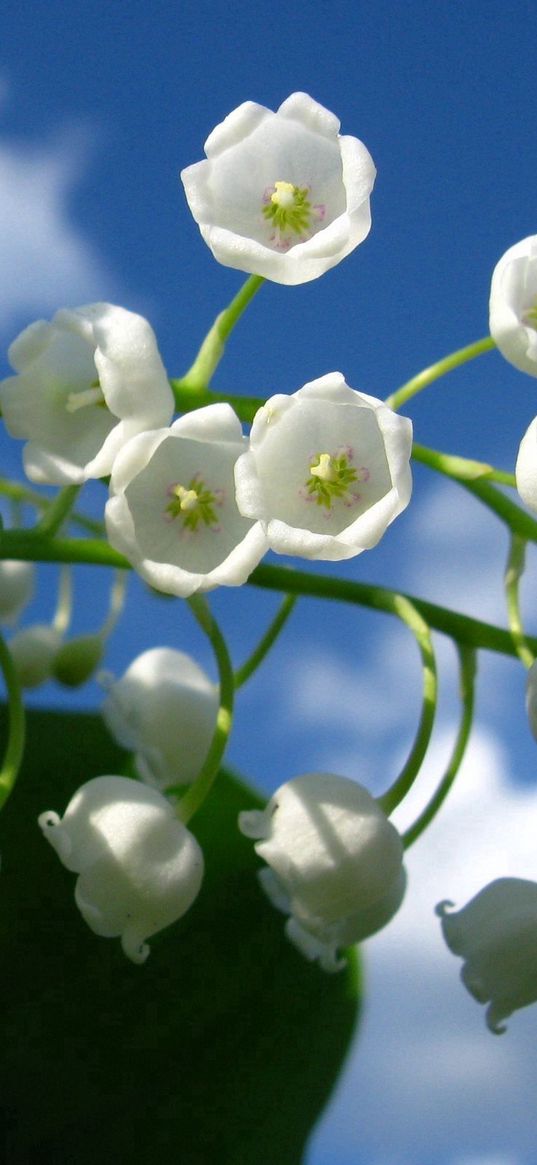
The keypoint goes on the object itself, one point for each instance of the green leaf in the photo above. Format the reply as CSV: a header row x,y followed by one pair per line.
x,y
221,1050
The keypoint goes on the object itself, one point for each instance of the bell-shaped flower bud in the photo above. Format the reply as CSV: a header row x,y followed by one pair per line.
x,y
16,588
164,710
85,383
77,659
282,194
526,466
139,867
328,469
513,305
172,510
33,650
334,862
496,935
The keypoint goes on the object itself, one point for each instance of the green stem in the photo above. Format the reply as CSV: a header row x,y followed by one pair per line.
x,y
462,469
57,511
21,493
514,571
15,745
518,521
435,371
64,606
201,372
462,628
245,406
467,663
395,794
191,801
271,634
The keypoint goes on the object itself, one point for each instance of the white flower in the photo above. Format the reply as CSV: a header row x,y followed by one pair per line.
x,y
526,466
139,867
496,935
281,194
513,305
163,709
335,862
16,588
173,512
327,470
34,650
84,384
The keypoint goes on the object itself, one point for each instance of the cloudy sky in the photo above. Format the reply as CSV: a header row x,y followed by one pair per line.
x,y
95,125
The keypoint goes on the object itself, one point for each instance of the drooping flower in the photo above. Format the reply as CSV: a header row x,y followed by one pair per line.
x,y
327,470
334,863
163,709
85,383
172,510
139,867
513,305
33,650
16,588
526,466
496,935
281,194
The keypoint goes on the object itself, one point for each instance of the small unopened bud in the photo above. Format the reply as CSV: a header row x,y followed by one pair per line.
x,y
77,660
33,651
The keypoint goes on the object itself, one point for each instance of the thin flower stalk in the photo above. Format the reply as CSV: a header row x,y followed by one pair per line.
x,y
436,371
515,569
254,660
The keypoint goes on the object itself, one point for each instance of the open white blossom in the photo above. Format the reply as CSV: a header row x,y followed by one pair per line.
x,y
334,863
16,588
172,510
526,466
139,867
164,710
281,194
84,384
327,470
496,935
513,305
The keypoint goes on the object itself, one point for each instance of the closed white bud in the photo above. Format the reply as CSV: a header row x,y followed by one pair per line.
x,y
33,651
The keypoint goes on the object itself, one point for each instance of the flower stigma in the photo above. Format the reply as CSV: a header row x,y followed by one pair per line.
x,y
290,212
194,504
330,479
88,396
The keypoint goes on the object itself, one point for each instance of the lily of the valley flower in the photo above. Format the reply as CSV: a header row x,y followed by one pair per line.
x,y
513,305
281,194
526,466
327,470
334,863
16,588
139,867
164,710
85,383
496,935
34,650
172,510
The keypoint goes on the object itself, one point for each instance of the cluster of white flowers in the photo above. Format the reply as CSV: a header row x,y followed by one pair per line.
x,y
195,504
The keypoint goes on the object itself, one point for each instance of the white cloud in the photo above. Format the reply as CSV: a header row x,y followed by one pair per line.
x,y
45,261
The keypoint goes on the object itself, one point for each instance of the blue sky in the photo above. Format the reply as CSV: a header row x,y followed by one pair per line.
x,y
101,105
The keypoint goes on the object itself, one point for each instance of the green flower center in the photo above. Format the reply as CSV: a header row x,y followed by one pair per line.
x,y
531,316
331,477
289,209
193,504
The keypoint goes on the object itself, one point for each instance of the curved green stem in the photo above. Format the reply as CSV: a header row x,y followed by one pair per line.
x,y
518,521
191,801
435,371
21,493
461,469
408,613
57,511
467,664
64,605
271,634
514,571
201,372
15,745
